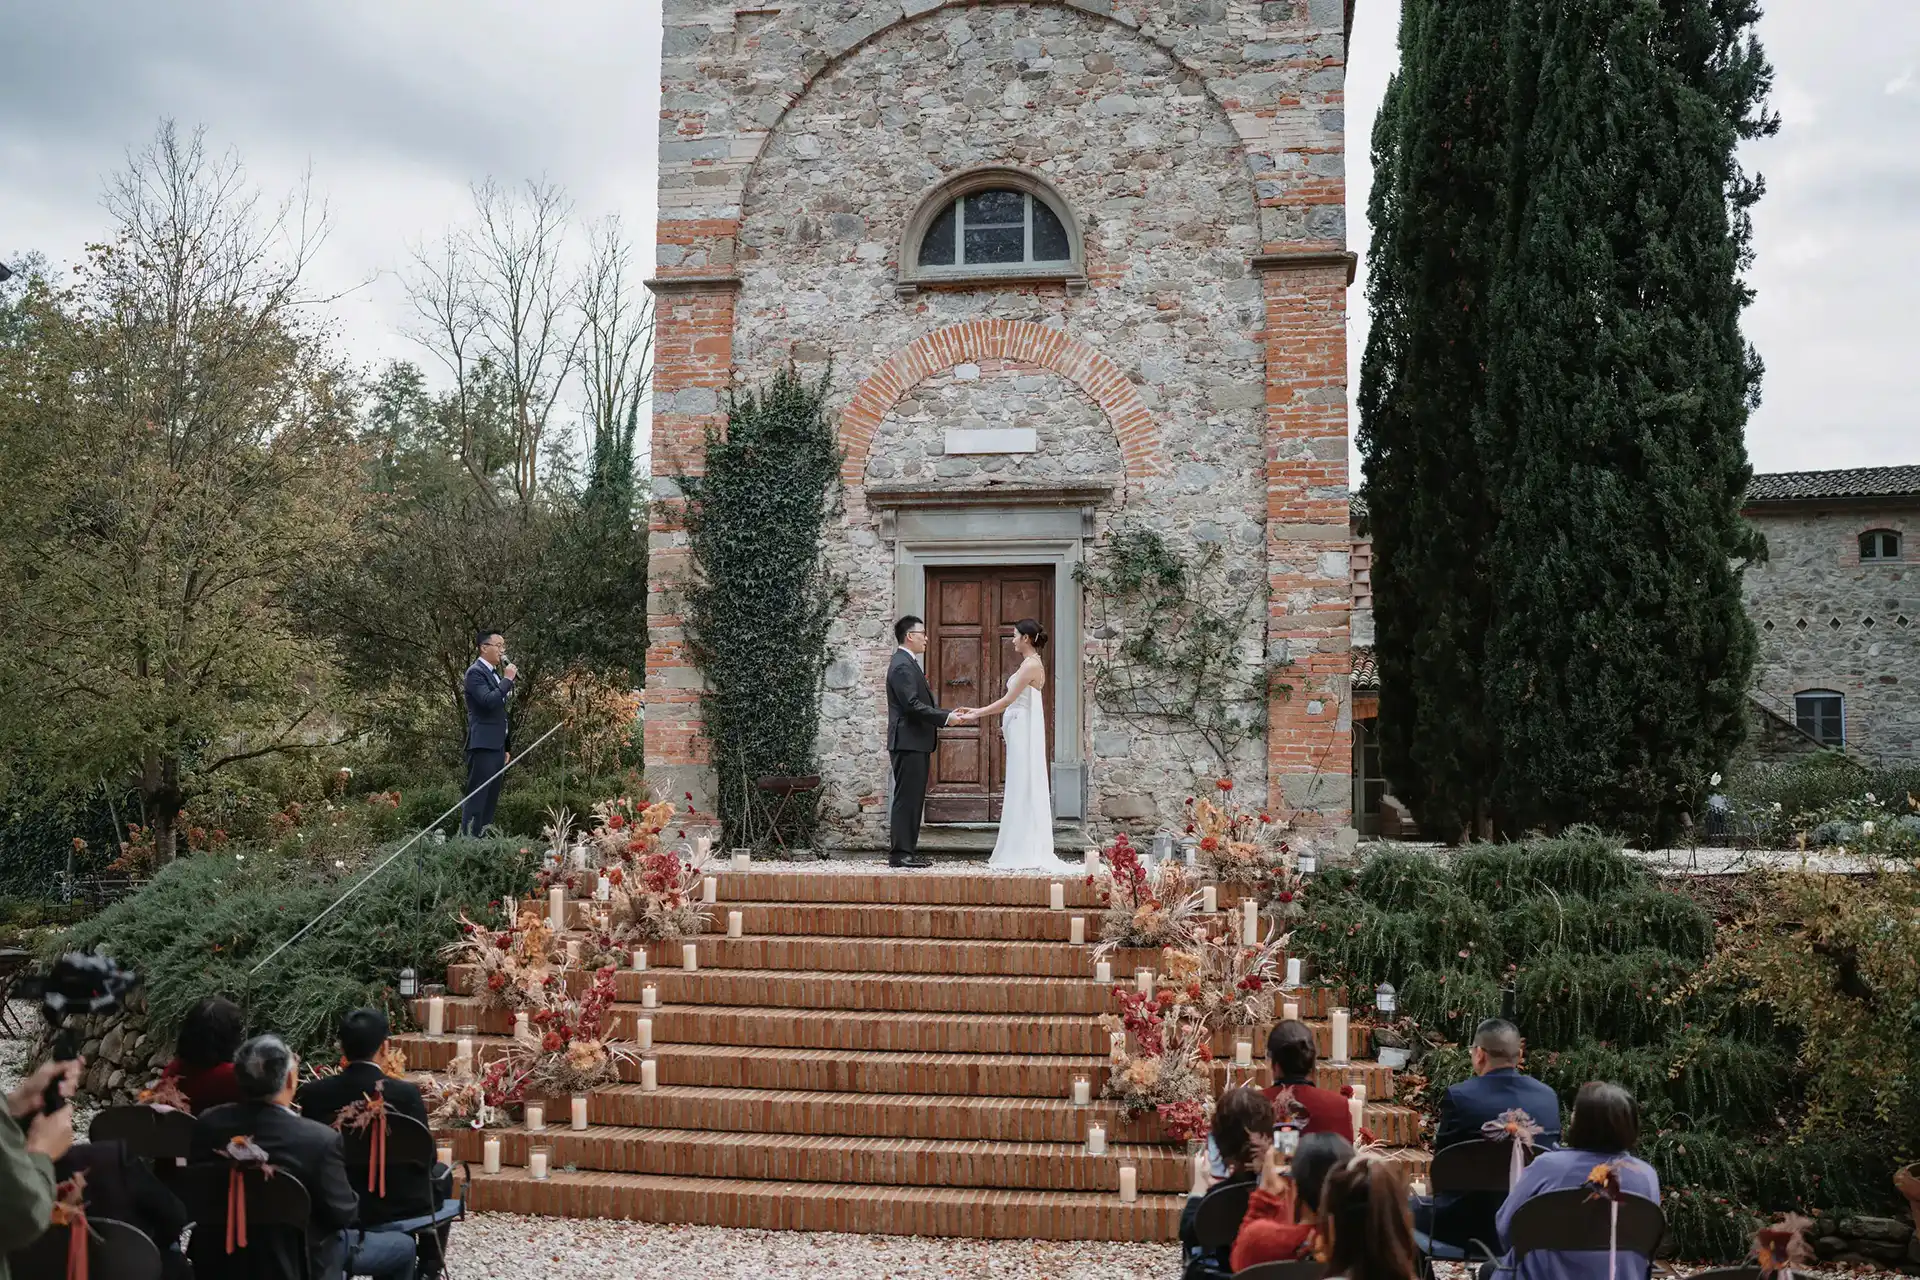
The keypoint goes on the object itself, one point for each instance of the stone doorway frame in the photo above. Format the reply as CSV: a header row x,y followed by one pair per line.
x,y
1006,526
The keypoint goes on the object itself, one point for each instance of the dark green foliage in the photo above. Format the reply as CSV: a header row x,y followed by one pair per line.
x,y
1819,781
1566,997
39,823
1449,1001
205,921
1581,861
1711,1183
1399,881
1439,148
524,802
1640,918
763,599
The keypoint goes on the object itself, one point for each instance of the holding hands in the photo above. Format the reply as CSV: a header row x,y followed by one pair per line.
x,y
963,715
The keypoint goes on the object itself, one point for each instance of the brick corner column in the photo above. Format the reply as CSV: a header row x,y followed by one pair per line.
x,y
1309,546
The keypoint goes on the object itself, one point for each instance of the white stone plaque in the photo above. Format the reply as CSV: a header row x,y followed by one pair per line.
x,y
992,440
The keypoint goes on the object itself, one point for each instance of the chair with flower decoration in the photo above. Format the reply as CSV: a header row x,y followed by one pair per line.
x,y
393,1168
246,1218
1581,1221
112,1250
1479,1165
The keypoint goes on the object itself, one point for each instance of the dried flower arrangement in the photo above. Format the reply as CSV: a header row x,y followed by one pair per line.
x,y
569,1051
1232,983
1145,906
1232,843
1158,1064
654,893
517,968
166,1095
480,1101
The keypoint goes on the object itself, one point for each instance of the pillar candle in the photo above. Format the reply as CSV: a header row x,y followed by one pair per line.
x,y
689,957
443,1154
579,857
1242,1053
1290,1012
557,907
1096,1140
649,1075
573,951
643,1033
463,1055
702,846
436,1015
1356,1108
709,889
639,959
603,889
1102,971
490,1155
649,997
1209,898
1082,1091
1090,860
1057,896
736,924
1420,1187
1129,1184
1339,1053
536,1116
1077,931
537,1164
1143,980
1293,972
742,859
579,1115
1250,922
522,1026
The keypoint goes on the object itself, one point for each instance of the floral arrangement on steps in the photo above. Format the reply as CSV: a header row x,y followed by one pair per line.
x,y
518,968
1235,845
653,892
659,900
1161,1045
1232,983
568,1050
1146,906
480,1101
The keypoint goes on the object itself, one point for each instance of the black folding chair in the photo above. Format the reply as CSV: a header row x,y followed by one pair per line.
x,y
277,1209
13,962
115,1250
162,1138
1728,1273
411,1161
1480,1165
1574,1221
1302,1270
1217,1221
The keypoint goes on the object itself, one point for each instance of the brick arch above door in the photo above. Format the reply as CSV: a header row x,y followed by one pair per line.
x,y
971,340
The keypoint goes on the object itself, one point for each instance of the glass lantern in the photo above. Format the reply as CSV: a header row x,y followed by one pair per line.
x,y
409,983
1384,999
1307,863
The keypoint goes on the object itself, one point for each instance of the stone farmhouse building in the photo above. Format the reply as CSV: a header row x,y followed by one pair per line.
x,y
1074,263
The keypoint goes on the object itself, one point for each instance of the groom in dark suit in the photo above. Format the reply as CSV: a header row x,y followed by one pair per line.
x,y
488,689
913,735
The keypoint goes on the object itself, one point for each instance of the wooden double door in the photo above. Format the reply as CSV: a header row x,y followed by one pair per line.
x,y
970,617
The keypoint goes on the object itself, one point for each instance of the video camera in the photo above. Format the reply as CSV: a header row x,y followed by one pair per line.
x,y
78,985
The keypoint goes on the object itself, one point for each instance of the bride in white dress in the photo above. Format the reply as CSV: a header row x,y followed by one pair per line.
x,y
1025,842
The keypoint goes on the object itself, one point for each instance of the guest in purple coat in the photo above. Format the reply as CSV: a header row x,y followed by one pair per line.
x,y
1604,1129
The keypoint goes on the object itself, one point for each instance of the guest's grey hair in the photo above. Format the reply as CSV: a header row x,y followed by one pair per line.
x,y
260,1066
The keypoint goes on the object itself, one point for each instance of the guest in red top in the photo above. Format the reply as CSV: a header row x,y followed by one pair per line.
x,y
1280,1213
202,1064
1291,1054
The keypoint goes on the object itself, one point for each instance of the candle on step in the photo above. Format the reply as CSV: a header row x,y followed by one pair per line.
x,y
579,1114
649,1075
557,907
735,924
463,1055
490,1155
1090,860
522,1026
1242,1053
443,1154
1057,896
639,959
643,1033
1356,1108
1421,1187
536,1116
1339,1053
1143,981
537,1164
1250,922
573,951
1129,1184
1209,898
709,889
1290,1012
603,889
649,997
1096,1140
742,859
702,846
1077,931
1102,971
1082,1091
689,957
1293,972
436,1015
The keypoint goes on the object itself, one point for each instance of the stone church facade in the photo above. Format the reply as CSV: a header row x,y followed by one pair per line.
x,y
1074,264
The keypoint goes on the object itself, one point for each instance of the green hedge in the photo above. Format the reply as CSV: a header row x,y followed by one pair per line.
x,y
205,921
524,801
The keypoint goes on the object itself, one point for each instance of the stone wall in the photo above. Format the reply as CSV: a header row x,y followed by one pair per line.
x,y
122,1056
1827,621
1882,1243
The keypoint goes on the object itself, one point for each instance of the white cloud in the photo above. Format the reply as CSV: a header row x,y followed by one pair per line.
x,y
1902,82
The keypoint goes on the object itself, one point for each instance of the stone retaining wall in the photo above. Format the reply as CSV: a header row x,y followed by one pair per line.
x,y
122,1056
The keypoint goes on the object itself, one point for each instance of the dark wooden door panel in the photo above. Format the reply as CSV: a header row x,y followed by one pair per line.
x,y
971,614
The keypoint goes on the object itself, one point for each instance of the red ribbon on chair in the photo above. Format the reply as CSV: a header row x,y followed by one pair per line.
x,y
377,1154
70,1211
236,1210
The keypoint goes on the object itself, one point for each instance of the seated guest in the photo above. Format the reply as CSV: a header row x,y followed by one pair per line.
x,y
1242,1131
1604,1129
1291,1053
363,1033
1280,1216
1365,1232
267,1073
1496,1088
120,1186
202,1063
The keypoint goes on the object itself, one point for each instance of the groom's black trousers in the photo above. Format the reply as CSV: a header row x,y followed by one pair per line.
x,y
910,769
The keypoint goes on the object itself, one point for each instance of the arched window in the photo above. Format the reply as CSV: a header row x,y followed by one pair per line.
x,y
1822,716
991,223
1877,546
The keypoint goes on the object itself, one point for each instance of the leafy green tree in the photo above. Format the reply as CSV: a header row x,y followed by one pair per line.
x,y
1436,208
1618,391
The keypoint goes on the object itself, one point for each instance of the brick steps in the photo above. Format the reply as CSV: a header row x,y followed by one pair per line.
x,y
825,1206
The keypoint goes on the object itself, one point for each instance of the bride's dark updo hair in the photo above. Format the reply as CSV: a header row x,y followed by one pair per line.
x,y
1032,631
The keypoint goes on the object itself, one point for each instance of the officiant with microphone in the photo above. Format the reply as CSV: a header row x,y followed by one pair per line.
x,y
914,722
488,690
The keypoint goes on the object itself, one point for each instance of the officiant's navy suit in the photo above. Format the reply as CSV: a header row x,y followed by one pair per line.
x,y
488,740
913,735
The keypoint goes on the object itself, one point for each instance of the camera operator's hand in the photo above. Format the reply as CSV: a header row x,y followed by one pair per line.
x,y
51,1135
27,1098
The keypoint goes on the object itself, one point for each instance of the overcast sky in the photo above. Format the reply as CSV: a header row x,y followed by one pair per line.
x,y
396,107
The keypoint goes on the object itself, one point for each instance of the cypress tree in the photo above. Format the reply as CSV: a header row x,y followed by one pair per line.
x,y
1436,210
1617,397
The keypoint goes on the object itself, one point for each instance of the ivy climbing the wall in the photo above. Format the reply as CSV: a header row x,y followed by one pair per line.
x,y
1174,628
762,599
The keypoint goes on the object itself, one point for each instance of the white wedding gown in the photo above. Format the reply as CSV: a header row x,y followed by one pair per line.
x,y
1025,842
